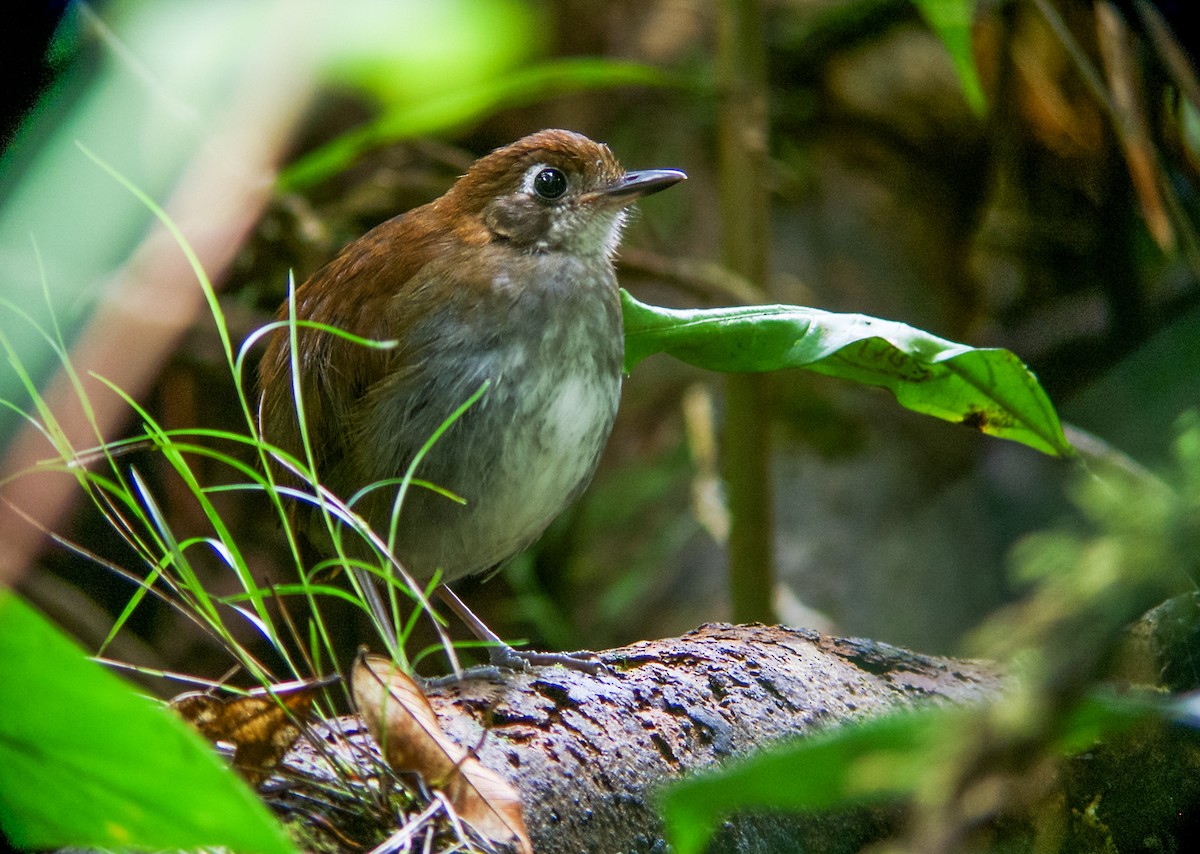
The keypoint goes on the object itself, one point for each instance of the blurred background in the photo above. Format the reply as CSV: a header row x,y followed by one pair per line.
x,y
1058,222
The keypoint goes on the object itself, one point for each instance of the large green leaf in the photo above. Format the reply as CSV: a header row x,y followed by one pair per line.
x,y
989,390
88,763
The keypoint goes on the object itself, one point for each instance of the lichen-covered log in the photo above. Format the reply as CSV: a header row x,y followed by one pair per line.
x,y
588,752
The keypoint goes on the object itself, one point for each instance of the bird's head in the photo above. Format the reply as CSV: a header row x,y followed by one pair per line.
x,y
553,191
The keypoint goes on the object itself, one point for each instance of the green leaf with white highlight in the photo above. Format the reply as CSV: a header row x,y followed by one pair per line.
x,y
989,390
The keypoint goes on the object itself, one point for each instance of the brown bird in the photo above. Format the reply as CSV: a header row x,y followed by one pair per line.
x,y
506,280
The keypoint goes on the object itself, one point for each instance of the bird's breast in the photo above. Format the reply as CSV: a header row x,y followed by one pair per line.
x,y
551,356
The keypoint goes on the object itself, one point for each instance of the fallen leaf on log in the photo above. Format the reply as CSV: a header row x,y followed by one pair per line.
x,y
260,726
402,722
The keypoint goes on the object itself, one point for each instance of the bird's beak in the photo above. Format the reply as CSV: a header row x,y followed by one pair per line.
x,y
634,185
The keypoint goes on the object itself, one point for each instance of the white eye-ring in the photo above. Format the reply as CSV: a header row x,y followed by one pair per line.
x,y
546,182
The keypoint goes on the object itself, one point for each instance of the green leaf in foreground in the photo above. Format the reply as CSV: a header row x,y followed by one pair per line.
x,y
861,763
871,761
88,763
989,390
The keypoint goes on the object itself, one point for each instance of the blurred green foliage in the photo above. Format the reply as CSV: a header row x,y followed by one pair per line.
x,y
440,111
90,764
1136,543
151,81
952,21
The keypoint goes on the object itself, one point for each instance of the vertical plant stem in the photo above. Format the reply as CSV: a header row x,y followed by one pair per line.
x,y
745,216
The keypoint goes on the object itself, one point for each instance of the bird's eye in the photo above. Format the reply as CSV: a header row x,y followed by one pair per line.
x,y
550,183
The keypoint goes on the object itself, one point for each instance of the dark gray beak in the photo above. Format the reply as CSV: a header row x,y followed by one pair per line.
x,y
634,185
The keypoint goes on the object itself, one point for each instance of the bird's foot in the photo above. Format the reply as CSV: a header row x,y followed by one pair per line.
x,y
584,661
505,660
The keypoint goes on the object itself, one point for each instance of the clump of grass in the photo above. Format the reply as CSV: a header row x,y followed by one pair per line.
x,y
165,565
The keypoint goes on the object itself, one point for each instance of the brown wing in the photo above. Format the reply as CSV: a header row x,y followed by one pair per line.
x,y
354,292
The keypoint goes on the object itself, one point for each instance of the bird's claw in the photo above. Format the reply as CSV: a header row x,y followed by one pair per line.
x,y
583,661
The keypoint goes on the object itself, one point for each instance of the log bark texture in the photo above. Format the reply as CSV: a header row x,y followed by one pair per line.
x,y
587,752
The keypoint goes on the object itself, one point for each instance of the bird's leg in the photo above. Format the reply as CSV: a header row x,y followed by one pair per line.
x,y
375,603
503,655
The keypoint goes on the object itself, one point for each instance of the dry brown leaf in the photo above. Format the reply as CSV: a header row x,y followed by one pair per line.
x,y
400,719
260,726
